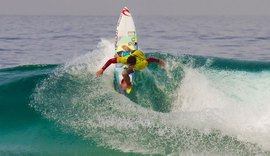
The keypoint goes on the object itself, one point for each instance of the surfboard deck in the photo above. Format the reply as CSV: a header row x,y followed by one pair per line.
x,y
125,35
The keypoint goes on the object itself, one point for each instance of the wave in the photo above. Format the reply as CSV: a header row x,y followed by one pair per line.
x,y
195,105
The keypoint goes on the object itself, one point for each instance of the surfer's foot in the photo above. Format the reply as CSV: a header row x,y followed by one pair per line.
x,y
129,86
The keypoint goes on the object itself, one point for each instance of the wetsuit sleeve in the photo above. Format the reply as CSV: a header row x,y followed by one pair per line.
x,y
150,60
109,62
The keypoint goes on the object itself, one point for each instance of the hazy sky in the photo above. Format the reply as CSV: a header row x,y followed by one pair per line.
x,y
138,7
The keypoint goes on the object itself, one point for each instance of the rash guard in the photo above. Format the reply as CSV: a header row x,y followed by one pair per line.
x,y
114,60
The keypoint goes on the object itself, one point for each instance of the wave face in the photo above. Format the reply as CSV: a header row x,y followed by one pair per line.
x,y
194,106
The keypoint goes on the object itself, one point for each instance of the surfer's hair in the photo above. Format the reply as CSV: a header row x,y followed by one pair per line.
x,y
131,60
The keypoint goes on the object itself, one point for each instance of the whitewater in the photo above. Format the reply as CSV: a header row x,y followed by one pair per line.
x,y
187,108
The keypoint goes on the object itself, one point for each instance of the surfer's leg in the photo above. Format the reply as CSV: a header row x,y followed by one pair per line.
x,y
125,74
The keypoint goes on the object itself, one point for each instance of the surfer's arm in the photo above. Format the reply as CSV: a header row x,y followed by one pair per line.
x,y
150,60
160,62
107,64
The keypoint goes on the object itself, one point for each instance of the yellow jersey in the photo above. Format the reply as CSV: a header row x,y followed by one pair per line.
x,y
141,61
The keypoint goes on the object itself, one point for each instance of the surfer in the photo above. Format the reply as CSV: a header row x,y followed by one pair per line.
x,y
135,61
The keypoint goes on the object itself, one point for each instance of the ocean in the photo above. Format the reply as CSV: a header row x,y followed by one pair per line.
x,y
212,98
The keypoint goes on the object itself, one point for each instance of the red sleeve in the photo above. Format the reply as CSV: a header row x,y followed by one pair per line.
x,y
150,60
109,62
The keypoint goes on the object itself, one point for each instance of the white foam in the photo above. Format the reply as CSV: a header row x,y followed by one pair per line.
x,y
91,108
234,102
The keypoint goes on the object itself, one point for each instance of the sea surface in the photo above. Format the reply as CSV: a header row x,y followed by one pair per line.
x,y
212,98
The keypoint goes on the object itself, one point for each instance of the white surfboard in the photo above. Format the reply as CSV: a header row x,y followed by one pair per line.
x,y
125,35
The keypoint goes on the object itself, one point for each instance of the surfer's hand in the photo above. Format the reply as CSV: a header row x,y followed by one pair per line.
x,y
99,73
116,55
161,63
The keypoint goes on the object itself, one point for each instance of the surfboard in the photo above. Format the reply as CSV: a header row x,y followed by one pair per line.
x,y
125,35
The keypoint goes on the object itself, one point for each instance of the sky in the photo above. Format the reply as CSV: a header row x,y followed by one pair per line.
x,y
139,7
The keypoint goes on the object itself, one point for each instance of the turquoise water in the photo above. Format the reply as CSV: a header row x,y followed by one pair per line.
x,y
208,104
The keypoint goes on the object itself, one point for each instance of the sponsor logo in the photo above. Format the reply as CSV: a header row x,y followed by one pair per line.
x,y
126,12
131,33
131,43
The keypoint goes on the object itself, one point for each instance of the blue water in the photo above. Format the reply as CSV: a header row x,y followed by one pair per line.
x,y
211,99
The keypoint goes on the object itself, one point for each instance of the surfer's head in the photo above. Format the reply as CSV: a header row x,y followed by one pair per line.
x,y
131,61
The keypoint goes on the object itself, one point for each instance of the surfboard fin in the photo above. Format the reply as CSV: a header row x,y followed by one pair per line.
x,y
128,90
